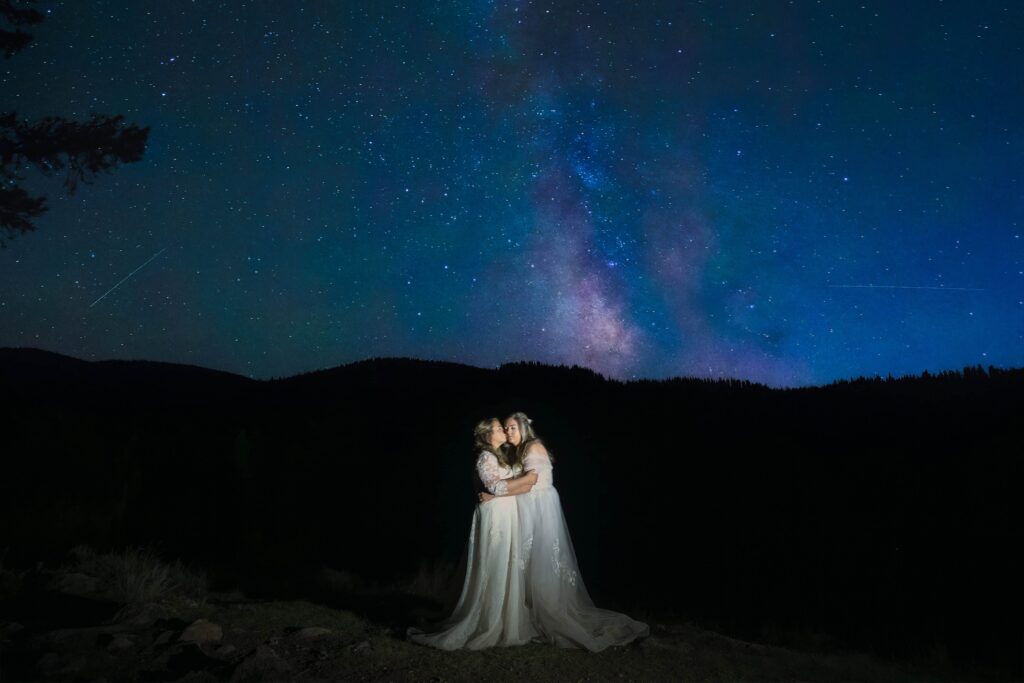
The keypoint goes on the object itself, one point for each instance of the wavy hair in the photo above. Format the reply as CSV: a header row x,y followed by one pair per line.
x,y
482,440
527,436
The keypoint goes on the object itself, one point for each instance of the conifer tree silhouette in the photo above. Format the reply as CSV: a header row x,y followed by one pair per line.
x,y
54,144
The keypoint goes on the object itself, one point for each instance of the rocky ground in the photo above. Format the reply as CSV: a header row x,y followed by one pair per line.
x,y
229,637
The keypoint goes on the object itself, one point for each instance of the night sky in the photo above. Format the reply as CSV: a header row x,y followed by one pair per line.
x,y
786,192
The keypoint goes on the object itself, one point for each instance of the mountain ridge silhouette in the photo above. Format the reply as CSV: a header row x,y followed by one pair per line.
x,y
41,358
885,511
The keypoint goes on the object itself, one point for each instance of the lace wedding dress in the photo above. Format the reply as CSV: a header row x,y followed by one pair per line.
x,y
560,606
491,610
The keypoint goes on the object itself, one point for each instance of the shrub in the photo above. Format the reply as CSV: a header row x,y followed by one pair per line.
x,y
11,582
137,575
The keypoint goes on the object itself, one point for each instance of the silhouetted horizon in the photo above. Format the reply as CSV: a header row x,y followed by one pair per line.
x,y
671,378
883,512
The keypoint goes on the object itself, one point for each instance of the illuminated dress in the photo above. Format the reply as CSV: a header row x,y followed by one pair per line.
x,y
559,604
491,610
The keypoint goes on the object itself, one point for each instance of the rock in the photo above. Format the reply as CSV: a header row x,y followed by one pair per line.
x,y
202,631
66,639
225,651
198,677
74,669
120,644
144,615
49,664
225,597
164,638
82,585
9,629
311,632
181,659
361,647
263,664
172,623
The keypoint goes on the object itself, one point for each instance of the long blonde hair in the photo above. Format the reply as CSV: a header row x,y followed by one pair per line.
x,y
482,440
527,436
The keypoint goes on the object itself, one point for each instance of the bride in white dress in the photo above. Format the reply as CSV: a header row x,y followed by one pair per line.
x,y
559,605
491,610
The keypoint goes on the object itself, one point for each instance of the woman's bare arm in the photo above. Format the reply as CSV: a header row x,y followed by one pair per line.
x,y
514,487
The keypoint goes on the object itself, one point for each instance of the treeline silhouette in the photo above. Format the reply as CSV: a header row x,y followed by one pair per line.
x,y
53,144
884,513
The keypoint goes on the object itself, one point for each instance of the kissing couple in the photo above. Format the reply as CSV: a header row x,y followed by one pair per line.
x,y
522,582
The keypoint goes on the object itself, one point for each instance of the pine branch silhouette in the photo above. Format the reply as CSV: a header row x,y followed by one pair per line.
x,y
82,150
12,42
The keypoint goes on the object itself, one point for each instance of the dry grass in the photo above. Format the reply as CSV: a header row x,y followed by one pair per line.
x,y
11,581
137,576
432,580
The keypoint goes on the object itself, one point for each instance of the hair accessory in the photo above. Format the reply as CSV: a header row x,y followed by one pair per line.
x,y
529,421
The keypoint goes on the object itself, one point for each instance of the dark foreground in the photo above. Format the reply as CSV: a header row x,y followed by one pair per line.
x,y
78,627
880,516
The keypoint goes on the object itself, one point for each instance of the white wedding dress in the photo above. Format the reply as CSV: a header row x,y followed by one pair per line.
x,y
492,609
559,604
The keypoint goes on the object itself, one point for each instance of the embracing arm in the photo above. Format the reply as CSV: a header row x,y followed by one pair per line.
x,y
536,458
490,475
513,487
536,465
519,485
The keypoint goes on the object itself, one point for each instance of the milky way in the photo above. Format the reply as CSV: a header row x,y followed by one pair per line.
x,y
787,192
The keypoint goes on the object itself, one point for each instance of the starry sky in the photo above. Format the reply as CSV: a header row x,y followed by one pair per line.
x,y
789,192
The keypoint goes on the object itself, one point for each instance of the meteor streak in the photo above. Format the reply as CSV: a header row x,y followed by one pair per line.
x,y
128,276
945,289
